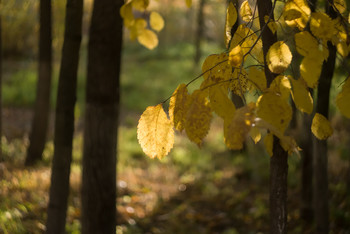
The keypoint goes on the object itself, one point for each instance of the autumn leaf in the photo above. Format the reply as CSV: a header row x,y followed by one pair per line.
x,y
322,26
278,57
178,106
198,117
238,127
148,39
340,5
310,70
257,78
321,127
301,96
137,28
245,11
343,99
296,13
235,57
156,21
281,86
155,132
127,15
231,18
220,103
306,44
275,110
140,5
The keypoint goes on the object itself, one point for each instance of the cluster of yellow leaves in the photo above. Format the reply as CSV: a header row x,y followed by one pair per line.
x,y
138,26
228,72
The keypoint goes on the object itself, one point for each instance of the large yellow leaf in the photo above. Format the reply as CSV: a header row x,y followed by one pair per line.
x,y
310,70
238,127
321,127
246,12
281,86
296,13
278,57
301,96
140,5
235,57
127,15
246,38
239,81
148,39
220,103
322,26
155,132
198,117
231,18
137,28
217,67
257,78
306,44
275,110
343,99
179,103
156,21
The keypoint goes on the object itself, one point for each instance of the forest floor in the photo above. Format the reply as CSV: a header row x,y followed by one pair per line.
x,y
207,190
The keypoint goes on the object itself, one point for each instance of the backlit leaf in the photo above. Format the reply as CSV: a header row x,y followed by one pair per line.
x,y
321,127
278,57
306,44
296,13
217,67
301,96
220,103
179,103
156,21
235,57
231,18
246,12
198,117
257,78
137,28
340,5
343,99
148,39
281,86
310,70
239,126
275,110
155,132
322,26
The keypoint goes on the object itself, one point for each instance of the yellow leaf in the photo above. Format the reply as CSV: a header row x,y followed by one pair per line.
x,y
156,21
179,103
255,134
140,5
322,26
343,99
246,12
148,39
220,103
137,28
188,3
310,70
281,86
296,13
301,96
246,38
127,15
235,57
155,132
198,117
275,110
278,57
257,78
216,67
268,142
271,24
342,49
231,18
340,5
306,44
239,81
321,127
238,127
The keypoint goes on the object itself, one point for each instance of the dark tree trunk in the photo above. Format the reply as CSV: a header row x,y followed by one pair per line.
x,y
101,117
1,156
279,160
199,32
42,104
64,121
320,146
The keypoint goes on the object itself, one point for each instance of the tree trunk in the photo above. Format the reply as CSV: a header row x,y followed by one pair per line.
x,y
199,32
1,155
320,146
42,104
101,116
279,160
64,121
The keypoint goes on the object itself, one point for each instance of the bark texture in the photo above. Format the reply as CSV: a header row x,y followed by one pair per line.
x,y
38,133
64,121
101,116
279,160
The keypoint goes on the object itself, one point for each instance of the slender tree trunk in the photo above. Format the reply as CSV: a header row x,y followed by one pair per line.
x,y
279,160
1,156
199,33
64,121
320,146
101,116
42,104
